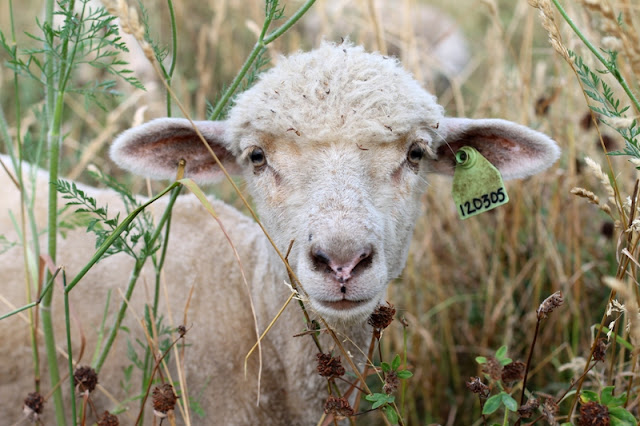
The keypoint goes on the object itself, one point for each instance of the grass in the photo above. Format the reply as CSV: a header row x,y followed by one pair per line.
x,y
474,286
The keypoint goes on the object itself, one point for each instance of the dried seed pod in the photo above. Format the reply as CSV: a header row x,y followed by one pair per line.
x,y
85,379
164,399
526,411
382,316
33,406
339,407
513,372
475,385
549,304
391,382
108,419
493,368
549,410
593,413
329,366
600,350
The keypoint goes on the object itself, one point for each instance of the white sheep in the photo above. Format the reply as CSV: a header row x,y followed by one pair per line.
x,y
336,146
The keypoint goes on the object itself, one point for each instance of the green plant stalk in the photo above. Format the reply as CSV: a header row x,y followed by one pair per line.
x,y
35,353
135,273
616,74
158,267
505,421
174,50
67,316
257,48
403,389
54,139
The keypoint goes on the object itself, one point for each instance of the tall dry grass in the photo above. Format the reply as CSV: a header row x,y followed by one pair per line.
x,y
470,286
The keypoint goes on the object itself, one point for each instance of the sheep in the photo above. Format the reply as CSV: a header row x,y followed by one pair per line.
x,y
336,146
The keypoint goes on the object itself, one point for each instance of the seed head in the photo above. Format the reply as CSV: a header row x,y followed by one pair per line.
x,y
33,406
329,366
85,379
593,413
339,407
382,316
513,372
549,304
108,419
391,382
493,368
527,410
475,385
600,350
549,410
164,399
182,330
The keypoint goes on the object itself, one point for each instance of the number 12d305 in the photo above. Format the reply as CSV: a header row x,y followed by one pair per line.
x,y
483,203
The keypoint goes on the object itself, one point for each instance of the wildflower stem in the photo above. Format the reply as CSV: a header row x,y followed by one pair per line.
x,y
526,369
67,316
610,67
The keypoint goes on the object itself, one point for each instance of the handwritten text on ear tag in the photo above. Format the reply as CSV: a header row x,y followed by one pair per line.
x,y
477,184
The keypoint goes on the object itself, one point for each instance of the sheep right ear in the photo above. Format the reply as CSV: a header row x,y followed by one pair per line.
x,y
154,150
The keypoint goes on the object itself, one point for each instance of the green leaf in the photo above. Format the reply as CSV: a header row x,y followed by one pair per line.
x,y
404,374
395,363
621,417
589,396
505,361
481,359
380,399
607,398
501,352
385,367
492,404
509,402
391,414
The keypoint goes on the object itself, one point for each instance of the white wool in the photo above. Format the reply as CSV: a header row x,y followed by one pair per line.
x,y
337,92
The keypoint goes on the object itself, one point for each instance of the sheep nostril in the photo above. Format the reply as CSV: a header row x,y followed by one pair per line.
x,y
321,260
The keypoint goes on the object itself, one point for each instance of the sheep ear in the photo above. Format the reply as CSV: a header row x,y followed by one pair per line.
x,y
154,149
516,150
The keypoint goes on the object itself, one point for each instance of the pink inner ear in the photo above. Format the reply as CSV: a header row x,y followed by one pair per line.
x,y
515,150
155,149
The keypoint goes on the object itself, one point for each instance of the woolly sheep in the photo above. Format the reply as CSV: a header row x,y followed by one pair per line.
x,y
336,146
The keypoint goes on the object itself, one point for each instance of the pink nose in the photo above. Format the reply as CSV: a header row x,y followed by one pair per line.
x,y
342,268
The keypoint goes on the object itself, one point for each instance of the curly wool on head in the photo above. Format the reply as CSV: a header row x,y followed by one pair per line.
x,y
337,92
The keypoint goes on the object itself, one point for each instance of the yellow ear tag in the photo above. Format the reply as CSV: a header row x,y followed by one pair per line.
x,y
477,184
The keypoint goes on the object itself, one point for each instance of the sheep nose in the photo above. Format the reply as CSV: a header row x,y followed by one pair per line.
x,y
342,267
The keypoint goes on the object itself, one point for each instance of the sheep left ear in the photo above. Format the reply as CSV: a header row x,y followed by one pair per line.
x,y
154,150
516,150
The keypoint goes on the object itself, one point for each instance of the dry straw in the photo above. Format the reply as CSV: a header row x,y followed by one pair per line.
x,y
549,24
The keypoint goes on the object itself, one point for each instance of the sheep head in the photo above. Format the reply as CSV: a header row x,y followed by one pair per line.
x,y
336,145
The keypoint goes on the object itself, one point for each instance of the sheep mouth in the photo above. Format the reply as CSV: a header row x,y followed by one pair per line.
x,y
343,305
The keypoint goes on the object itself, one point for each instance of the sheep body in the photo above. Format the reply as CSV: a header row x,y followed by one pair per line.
x,y
220,332
336,145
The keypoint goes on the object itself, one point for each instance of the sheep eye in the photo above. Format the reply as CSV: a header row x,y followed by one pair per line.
x,y
415,154
257,157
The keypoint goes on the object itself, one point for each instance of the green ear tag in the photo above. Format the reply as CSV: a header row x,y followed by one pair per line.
x,y
477,184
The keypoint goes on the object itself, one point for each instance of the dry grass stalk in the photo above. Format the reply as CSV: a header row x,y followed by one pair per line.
x,y
549,24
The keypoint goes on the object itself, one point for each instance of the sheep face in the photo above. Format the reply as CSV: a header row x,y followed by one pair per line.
x,y
335,145
350,207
